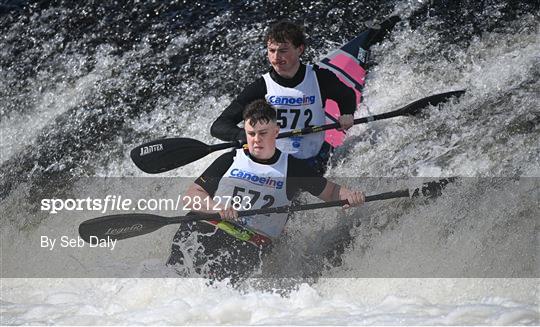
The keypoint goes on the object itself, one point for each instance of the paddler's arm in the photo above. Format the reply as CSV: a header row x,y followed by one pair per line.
x,y
197,199
199,195
333,88
335,192
226,125
303,176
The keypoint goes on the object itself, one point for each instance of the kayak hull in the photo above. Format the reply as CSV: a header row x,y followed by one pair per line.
x,y
350,63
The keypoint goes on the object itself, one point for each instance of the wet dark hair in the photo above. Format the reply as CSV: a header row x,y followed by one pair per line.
x,y
284,31
259,111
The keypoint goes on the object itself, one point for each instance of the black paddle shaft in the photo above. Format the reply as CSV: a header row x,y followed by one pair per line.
x,y
130,225
409,110
303,207
166,154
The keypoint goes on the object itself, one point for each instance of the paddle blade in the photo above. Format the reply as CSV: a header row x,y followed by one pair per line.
x,y
166,154
117,227
433,189
415,107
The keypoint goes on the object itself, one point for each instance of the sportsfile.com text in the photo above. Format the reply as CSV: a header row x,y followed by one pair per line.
x,y
120,203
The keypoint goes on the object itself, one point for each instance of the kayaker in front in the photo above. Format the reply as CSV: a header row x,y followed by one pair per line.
x,y
260,176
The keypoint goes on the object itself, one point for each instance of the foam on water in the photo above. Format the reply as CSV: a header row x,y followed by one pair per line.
x,y
192,301
489,132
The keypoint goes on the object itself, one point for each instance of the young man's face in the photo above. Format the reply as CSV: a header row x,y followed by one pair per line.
x,y
261,139
284,57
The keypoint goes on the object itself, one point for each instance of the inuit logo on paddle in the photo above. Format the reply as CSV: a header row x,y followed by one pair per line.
x,y
151,148
123,230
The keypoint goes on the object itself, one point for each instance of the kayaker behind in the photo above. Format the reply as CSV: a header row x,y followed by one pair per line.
x,y
297,91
